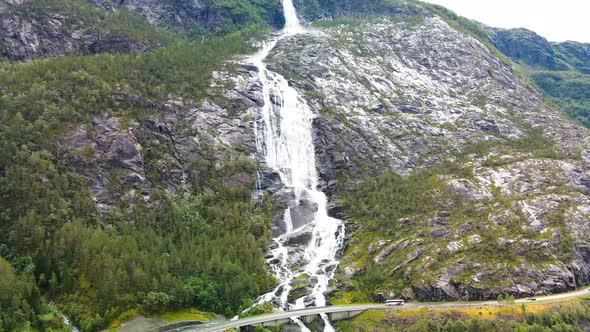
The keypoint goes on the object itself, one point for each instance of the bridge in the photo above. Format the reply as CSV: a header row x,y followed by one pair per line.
x,y
307,315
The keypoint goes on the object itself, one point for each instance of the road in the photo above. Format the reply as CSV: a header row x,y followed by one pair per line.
x,y
357,307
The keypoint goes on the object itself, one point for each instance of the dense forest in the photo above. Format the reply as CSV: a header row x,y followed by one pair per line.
x,y
204,249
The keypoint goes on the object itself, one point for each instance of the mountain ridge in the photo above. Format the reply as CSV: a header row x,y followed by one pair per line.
x,y
561,70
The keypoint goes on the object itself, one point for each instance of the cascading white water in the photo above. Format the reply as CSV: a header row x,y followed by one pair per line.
x,y
284,139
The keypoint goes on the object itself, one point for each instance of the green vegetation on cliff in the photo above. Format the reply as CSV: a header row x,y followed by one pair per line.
x,y
434,228
203,250
561,70
236,15
569,90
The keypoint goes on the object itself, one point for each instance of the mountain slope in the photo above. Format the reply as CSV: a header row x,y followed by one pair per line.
x,y
497,195
561,70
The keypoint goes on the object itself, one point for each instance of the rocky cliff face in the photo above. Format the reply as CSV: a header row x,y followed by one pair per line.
x,y
526,46
334,9
32,29
405,96
189,15
23,37
127,162
37,29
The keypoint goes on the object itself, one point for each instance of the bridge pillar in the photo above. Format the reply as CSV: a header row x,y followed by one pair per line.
x,y
336,316
276,322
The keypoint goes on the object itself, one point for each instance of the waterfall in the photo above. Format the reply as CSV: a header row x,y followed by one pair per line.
x,y
284,139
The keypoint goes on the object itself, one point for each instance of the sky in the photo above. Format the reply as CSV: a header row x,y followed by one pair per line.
x,y
557,21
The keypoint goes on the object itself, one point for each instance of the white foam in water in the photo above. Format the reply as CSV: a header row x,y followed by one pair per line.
x,y
285,140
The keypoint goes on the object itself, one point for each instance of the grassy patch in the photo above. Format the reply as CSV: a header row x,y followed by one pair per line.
x,y
571,315
122,318
367,321
331,23
189,314
257,310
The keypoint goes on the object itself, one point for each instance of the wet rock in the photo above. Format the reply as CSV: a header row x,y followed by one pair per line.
x,y
268,180
439,233
309,301
334,210
302,213
454,246
300,288
299,238
349,271
377,298
285,198
410,258
328,294
313,280
330,268
443,214
387,251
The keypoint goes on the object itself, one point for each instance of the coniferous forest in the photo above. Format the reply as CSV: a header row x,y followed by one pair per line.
x,y
202,250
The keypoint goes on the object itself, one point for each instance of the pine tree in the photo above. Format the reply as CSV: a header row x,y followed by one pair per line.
x,y
53,285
